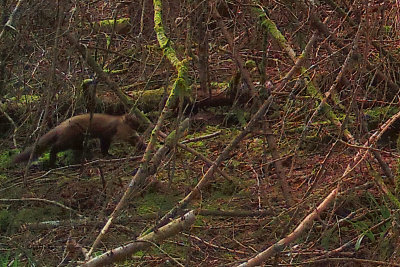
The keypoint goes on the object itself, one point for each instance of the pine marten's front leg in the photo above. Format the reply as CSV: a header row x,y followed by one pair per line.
x,y
105,145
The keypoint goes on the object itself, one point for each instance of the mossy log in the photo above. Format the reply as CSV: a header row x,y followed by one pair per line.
x,y
120,26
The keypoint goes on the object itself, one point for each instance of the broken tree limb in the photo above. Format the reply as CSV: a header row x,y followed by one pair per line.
x,y
125,251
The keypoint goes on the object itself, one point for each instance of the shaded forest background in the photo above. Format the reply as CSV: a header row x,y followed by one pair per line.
x,y
272,131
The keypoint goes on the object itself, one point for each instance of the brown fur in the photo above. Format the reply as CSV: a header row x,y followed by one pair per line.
x,y
71,133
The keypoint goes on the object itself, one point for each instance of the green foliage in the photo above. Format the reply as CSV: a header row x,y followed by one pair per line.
x,y
329,238
387,29
363,227
374,218
7,261
139,254
97,253
20,103
378,114
256,146
5,160
108,38
362,224
212,129
65,157
385,111
44,160
241,116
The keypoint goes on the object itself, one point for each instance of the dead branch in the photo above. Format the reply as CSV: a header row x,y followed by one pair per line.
x,y
304,225
124,252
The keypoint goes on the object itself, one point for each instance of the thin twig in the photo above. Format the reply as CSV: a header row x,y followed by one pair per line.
x,y
200,138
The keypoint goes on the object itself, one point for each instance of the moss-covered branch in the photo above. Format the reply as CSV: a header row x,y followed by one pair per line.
x,y
270,27
180,88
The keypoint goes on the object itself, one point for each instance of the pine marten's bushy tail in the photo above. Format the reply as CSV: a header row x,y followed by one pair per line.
x,y
44,142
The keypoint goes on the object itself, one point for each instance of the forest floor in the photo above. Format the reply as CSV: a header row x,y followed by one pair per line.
x,y
40,232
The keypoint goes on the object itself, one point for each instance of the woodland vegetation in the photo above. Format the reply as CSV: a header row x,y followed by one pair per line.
x,y
271,131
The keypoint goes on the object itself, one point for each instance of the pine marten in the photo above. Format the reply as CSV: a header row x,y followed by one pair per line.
x,y
71,133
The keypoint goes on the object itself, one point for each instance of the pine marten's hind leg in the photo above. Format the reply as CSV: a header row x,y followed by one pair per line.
x,y
53,155
63,143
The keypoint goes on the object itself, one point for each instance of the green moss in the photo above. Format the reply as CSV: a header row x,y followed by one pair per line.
x,y
11,220
377,114
110,22
382,111
22,100
36,214
86,83
118,25
218,199
159,29
250,64
155,202
180,88
271,28
68,157
118,71
215,128
27,98
199,222
229,188
220,85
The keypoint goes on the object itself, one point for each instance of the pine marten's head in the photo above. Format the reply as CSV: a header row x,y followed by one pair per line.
x,y
135,125
132,121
